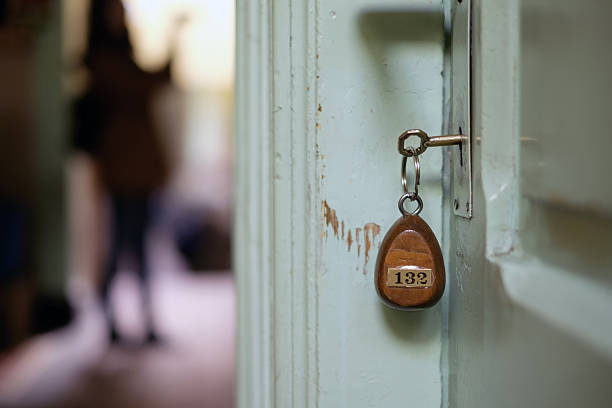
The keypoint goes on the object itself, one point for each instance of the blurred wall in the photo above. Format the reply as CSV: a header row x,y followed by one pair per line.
x,y
34,128
33,132
50,128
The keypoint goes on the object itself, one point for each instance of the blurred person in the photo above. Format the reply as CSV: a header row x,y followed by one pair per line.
x,y
113,124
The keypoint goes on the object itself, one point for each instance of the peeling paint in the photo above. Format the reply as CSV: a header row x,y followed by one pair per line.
x,y
341,229
349,240
369,230
330,217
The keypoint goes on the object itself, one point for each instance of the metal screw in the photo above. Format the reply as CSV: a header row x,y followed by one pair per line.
x,y
456,204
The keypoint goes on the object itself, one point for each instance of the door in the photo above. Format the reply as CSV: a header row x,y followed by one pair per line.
x,y
530,273
324,88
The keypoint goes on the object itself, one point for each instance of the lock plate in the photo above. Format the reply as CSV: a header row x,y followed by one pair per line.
x,y
461,158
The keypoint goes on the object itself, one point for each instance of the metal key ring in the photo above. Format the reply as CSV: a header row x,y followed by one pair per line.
x,y
417,171
409,152
411,197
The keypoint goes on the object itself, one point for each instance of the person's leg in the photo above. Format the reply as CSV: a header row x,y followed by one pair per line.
x,y
141,221
116,238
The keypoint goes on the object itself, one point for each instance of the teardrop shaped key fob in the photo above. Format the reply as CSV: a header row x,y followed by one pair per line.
x,y
410,269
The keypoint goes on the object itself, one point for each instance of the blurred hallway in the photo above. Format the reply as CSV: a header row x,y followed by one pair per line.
x,y
103,109
192,367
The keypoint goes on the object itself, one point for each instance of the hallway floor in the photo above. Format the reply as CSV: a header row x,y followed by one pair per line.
x,y
193,366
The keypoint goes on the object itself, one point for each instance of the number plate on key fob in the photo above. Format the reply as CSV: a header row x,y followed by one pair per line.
x,y
409,277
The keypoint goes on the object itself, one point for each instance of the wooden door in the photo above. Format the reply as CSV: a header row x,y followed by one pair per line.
x,y
531,272
324,90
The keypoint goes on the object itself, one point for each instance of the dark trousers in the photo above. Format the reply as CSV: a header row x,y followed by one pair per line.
x,y
131,218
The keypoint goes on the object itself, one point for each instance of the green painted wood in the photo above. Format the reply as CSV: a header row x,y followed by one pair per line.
x,y
531,289
324,88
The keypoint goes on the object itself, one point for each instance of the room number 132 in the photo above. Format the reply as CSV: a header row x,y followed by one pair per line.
x,y
409,278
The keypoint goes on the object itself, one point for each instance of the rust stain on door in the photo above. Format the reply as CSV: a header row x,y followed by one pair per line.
x,y
370,231
353,235
349,240
330,217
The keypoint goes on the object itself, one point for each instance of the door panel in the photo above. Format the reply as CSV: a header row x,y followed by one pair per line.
x,y
324,89
531,291
379,71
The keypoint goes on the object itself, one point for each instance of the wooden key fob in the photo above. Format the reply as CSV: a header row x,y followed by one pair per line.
x,y
410,269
